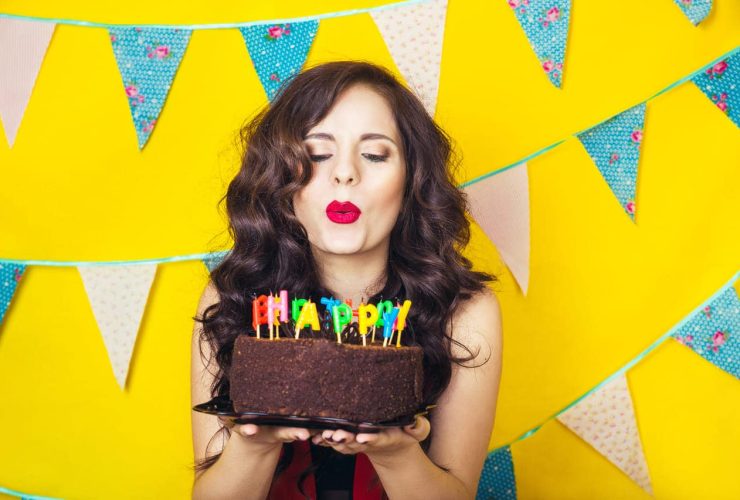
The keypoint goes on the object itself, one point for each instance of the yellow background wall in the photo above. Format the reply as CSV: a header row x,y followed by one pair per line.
x,y
76,187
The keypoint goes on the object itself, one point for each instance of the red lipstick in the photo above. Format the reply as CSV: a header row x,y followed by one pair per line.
x,y
342,212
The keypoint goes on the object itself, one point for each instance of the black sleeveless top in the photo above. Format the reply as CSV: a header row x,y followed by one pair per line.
x,y
334,475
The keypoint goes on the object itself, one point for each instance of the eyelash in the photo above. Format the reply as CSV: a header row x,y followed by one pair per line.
x,y
371,157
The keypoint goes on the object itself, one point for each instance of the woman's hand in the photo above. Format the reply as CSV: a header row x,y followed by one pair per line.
x,y
267,436
385,443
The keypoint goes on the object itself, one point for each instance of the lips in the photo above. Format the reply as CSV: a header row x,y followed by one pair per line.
x,y
342,212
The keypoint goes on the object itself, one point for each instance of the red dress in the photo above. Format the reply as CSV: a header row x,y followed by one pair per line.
x,y
365,486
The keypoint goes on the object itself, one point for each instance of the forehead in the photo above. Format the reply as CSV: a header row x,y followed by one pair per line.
x,y
357,111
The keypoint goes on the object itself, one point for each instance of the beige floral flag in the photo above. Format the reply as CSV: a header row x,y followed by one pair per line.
x,y
500,206
118,295
606,420
23,47
414,35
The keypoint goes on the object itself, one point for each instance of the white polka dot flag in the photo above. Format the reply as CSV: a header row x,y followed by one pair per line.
x,y
500,206
605,419
118,296
614,146
148,59
23,46
414,34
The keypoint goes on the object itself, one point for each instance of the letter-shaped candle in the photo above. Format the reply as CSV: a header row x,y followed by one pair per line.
x,y
296,307
329,303
401,320
388,319
259,313
384,306
308,316
367,315
341,315
277,305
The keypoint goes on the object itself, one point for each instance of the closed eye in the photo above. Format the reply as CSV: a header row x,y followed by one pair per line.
x,y
373,158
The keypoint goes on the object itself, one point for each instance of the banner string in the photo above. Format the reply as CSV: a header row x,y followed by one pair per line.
x,y
627,366
547,148
24,496
194,256
211,26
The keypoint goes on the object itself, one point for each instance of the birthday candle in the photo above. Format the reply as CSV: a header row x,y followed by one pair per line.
x,y
329,303
367,315
341,315
308,315
383,307
388,319
259,313
401,320
296,306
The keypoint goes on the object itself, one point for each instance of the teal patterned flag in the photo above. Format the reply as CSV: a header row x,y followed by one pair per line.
x,y
614,146
546,23
720,82
10,276
695,10
212,262
714,333
497,479
278,51
148,59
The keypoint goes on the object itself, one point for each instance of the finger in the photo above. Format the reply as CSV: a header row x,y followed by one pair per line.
x,y
420,429
342,436
296,433
367,438
248,429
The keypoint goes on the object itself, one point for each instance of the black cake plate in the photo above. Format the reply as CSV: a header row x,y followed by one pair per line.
x,y
222,406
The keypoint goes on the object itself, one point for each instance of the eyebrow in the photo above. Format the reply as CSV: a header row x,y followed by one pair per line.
x,y
364,137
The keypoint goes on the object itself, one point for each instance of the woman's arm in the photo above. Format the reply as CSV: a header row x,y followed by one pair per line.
x,y
246,466
462,420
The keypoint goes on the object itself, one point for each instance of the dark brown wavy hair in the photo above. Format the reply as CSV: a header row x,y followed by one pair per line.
x,y
271,248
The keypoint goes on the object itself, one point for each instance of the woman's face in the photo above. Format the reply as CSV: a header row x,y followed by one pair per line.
x,y
353,199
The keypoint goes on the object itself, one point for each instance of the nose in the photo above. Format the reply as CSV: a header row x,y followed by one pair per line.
x,y
345,173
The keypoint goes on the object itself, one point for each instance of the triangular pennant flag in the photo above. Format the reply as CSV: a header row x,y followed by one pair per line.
x,y
695,10
24,45
148,59
714,333
500,206
278,51
10,276
720,82
497,480
606,420
546,25
414,35
118,295
213,261
614,146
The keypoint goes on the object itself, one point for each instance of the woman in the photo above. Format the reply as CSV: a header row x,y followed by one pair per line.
x,y
350,132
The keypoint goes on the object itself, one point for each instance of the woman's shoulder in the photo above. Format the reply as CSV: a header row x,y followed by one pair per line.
x,y
209,297
478,321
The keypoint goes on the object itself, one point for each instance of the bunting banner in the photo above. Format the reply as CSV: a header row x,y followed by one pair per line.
x,y
497,480
695,10
606,420
118,296
545,23
148,59
10,277
23,46
714,332
720,82
500,206
614,146
278,51
414,35
604,417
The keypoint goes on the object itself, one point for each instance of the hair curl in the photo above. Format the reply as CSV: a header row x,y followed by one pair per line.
x,y
271,248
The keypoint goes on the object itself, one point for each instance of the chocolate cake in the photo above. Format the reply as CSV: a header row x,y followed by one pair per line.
x,y
319,377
